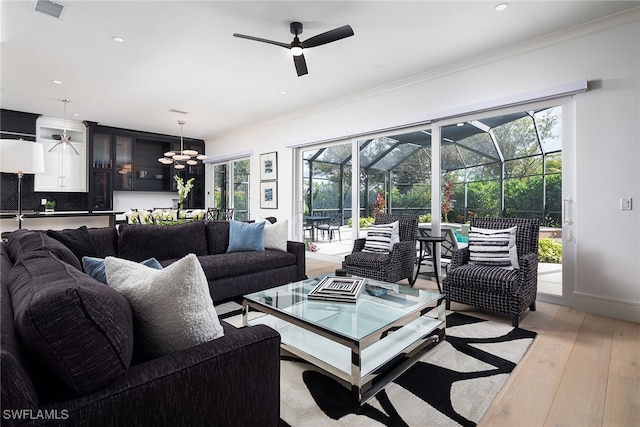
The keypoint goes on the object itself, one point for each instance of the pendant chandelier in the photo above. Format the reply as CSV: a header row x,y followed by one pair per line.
x,y
64,139
179,159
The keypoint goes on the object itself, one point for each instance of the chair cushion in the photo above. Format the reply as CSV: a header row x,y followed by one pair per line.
x,y
77,240
381,238
139,242
367,260
75,326
22,242
172,308
495,248
482,278
234,264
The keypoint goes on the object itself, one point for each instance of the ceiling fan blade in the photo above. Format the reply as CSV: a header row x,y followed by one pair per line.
x,y
329,36
258,39
301,65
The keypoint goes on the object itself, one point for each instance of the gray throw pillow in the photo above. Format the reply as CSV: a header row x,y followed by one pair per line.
x,y
172,308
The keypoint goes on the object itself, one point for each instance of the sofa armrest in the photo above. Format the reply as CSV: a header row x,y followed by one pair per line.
x,y
232,380
298,249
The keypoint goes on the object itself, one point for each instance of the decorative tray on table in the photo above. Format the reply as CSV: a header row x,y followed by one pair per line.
x,y
340,289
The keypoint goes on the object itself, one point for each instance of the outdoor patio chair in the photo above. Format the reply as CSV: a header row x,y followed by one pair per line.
x,y
396,265
335,221
503,290
226,214
212,214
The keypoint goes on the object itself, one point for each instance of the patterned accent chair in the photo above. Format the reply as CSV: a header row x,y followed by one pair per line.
x,y
391,267
497,289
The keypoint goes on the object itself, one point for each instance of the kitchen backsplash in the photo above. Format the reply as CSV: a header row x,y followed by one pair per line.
x,y
31,201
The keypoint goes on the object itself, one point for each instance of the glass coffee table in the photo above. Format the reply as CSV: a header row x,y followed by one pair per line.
x,y
365,344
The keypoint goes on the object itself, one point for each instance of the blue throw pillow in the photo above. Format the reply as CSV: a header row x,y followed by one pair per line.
x,y
95,267
244,236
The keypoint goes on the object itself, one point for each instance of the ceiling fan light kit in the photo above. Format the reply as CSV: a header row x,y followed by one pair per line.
x,y
189,157
297,47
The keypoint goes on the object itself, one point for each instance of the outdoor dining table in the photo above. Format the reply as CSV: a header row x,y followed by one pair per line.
x,y
314,220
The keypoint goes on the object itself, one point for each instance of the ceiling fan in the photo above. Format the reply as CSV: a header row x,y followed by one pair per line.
x,y
64,138
297,47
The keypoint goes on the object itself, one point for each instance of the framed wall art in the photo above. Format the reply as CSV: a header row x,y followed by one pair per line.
x,y
268,166
269,195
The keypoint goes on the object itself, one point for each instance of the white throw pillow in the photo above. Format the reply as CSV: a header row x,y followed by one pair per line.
x,y
493,247
381,238
172,308
275,235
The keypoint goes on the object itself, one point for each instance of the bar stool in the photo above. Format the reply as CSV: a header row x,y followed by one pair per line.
x,y
424,241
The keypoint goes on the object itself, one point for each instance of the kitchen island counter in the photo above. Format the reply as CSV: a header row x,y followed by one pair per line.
x,y
57,220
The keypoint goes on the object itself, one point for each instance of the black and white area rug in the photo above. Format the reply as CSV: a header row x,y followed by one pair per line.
x,y
452,385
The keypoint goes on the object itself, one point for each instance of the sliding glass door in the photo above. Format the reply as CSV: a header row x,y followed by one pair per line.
x,y
510,162
231,188
326,199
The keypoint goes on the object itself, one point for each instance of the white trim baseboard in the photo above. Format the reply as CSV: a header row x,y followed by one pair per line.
x,y
609,307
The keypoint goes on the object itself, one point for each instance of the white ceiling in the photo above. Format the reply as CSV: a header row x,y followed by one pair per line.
x,y
182,55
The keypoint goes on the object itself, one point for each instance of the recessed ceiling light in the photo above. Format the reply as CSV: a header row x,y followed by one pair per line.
x,y
76,115
118,39
283,92
58,82
502,6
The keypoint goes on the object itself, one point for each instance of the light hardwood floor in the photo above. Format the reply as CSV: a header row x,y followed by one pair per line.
x,y
581,370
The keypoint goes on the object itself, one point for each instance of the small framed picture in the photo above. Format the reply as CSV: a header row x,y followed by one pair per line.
x,y
269,195
268,166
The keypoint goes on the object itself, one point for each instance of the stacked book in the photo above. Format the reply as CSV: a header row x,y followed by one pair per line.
x,y
342,289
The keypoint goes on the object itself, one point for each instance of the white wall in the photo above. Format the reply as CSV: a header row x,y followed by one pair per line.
x,y
607,53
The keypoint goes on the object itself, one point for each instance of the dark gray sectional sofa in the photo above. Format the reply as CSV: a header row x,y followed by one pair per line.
x,y
229,274
67,354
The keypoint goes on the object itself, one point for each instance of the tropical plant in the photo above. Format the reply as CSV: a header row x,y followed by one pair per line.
x,y
448,202
379,205
424,218
364,222
549,250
